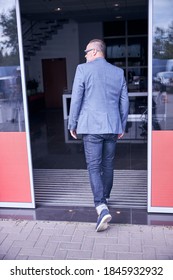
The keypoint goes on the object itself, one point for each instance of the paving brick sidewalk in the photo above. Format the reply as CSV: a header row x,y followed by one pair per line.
x,y
23,239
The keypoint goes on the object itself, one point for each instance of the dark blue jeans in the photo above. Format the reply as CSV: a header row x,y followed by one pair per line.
x,y
100,153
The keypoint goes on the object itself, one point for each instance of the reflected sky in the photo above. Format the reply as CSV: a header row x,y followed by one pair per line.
x,y
6,4
163,13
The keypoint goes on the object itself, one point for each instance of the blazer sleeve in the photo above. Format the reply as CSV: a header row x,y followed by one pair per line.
x,y
78,90
124,104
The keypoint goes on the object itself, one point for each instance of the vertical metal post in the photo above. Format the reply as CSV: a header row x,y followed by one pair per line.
x,y
150,93
21,57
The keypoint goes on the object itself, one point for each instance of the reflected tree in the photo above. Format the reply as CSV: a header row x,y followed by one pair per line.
x,y
158,45
163,42
9,40
169,45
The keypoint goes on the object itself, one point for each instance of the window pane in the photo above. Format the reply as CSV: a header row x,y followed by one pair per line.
x,y
163,65
137,79
114,28
137,27
116,51
11,100
137,51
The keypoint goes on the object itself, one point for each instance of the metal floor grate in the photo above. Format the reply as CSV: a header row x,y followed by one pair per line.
x,y
69,187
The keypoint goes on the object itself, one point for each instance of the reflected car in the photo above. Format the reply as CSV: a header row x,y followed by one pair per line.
x,y
164,81
6,86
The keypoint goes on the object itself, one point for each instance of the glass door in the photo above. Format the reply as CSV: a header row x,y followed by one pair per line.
x,y
160,153
127,47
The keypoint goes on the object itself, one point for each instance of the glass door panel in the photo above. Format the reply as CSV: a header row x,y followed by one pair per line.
x,y
160,178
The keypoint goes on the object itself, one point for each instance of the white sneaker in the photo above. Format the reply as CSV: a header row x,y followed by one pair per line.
x,y
103,219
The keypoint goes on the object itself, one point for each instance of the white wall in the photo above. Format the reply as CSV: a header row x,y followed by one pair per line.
x,y
70,43
64,44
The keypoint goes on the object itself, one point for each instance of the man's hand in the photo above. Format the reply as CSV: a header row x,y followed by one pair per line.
x,y
120,135
73,134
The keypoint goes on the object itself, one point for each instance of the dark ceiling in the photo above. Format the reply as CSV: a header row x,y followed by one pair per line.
x,y
84,10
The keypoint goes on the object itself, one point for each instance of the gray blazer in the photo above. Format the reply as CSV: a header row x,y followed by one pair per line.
x,y
99,102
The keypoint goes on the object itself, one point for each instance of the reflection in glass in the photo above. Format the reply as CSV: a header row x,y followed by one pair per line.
x,y
11,100
137,79
116,51
163,64
137,62
137,51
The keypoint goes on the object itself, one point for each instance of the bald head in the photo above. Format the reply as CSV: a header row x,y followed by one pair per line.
x,y
96,48
99,45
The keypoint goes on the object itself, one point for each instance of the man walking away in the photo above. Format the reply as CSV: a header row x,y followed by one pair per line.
x,y
99,110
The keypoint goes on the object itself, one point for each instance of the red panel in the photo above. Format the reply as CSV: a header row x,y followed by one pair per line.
x,y
162,169
14,170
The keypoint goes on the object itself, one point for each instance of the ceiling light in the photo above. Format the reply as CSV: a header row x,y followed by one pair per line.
x,y
116,5
118,17
58,9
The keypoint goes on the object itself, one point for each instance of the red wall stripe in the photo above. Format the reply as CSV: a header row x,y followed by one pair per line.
x,y
162,169
14,169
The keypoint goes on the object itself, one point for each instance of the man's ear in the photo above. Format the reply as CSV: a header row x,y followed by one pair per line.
x,y
94,52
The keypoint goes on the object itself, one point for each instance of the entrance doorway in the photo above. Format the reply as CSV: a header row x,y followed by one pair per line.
x,y
55,154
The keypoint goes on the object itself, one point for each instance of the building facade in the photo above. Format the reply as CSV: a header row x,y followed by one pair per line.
x,y
142,47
